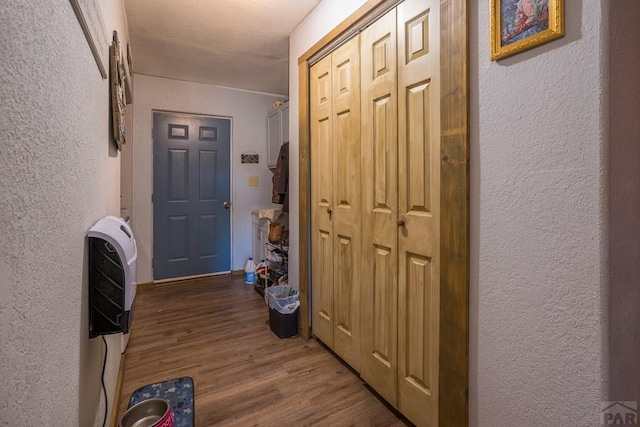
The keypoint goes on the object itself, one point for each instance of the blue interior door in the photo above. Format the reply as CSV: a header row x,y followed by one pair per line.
x,y
192,187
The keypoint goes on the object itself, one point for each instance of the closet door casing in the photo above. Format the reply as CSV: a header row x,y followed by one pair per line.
x,y
414,160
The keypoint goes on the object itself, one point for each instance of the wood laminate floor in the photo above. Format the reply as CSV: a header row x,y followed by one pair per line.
x,y
216,331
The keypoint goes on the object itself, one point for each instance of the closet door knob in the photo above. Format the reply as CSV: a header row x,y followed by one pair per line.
x,y
226,205
401,220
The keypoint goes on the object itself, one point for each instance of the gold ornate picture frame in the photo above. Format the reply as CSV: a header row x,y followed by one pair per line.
x,y
518,25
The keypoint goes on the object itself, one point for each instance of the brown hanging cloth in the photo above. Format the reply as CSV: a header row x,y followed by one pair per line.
x,y
280,178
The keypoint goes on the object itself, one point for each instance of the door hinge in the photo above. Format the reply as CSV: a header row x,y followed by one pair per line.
x,y
151,197
152,261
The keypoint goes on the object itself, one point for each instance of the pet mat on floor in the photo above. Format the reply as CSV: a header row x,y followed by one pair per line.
x,y
178,391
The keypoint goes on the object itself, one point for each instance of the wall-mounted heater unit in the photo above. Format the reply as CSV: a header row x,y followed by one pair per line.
x,y
112,274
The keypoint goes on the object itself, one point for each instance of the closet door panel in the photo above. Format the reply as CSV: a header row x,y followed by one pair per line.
x,y
347,210
322,201
380,207
418,207
346,257
323,307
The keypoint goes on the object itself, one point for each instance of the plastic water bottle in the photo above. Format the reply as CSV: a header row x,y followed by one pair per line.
x,y
250,272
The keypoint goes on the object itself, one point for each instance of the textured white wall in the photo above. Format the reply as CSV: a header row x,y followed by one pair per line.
x,y
624,201
538,243
538,231
59,175
249,113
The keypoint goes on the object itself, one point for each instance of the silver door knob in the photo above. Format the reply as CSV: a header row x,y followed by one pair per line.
x,y
226,205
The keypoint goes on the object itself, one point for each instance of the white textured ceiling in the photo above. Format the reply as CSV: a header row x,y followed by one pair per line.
x,y
236,43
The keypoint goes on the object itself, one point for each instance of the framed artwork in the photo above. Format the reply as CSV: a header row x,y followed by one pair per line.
x,y
92,24
518,25
118,94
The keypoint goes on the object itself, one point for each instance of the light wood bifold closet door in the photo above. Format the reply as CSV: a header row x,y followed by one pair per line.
x,y
379,312
419,209
376,257
322,200
335,195
401,187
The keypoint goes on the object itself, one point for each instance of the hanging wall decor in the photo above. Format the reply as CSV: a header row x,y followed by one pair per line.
x,y
249,157
117,88
518,25
92,24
